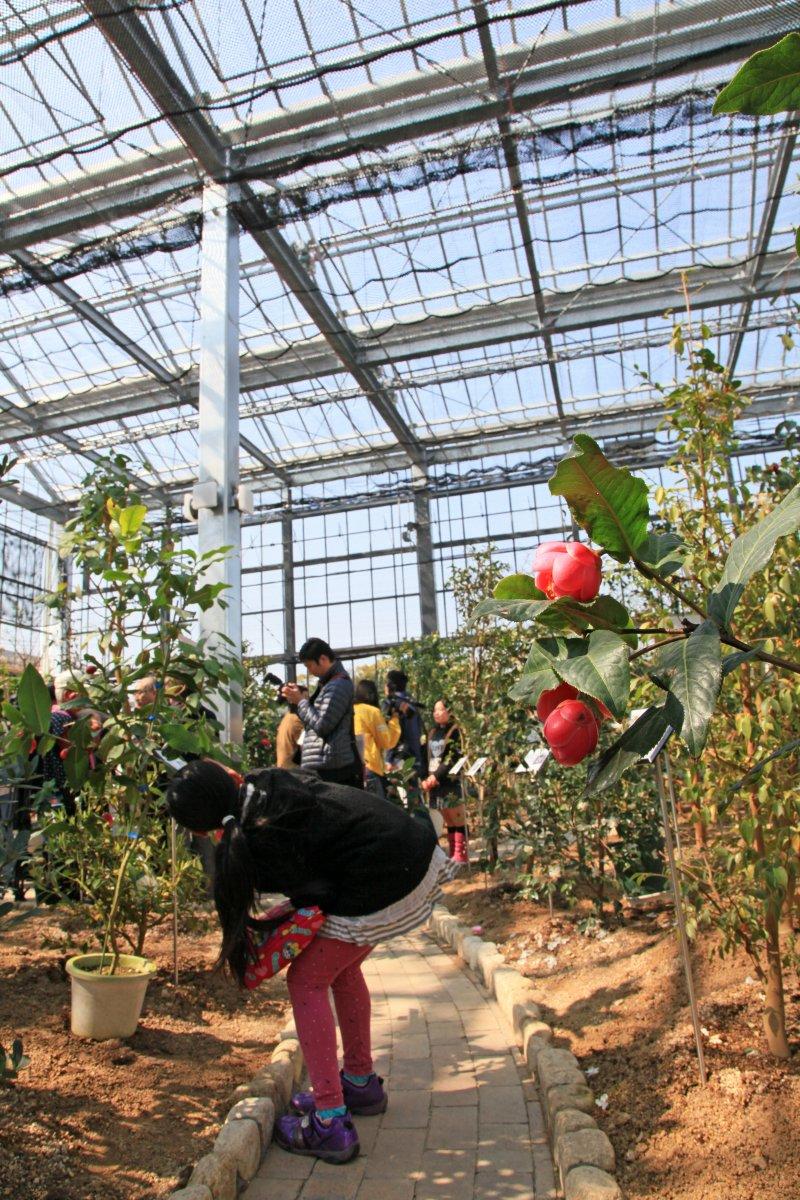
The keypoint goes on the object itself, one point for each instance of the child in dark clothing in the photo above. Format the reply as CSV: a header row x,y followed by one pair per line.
x,y
375,872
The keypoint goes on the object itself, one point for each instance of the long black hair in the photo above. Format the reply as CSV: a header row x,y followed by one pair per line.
x,y
200,797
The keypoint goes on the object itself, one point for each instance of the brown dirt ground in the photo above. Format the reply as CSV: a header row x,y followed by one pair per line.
x,y
619,1003
117,1120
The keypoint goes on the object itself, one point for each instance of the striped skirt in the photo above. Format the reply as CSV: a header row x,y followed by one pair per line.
x,y
402,916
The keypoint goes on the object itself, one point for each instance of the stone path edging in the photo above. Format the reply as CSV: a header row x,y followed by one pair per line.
x,y
246,1132
583,1154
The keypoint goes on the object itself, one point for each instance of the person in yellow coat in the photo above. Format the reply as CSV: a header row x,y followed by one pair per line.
x,y
377,733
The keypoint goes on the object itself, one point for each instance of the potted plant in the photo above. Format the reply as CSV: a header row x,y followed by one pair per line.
x,y
110,855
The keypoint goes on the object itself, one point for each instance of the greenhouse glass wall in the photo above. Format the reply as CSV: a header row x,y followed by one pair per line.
x,y
363,270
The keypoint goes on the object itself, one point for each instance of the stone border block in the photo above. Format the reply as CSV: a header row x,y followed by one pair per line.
x,y
585,1148
568,1095
468,950
534,1036
282,1071
259,1110
570,1120
582,1152
247,1130
588,1183
242,1141
218,1173
488,959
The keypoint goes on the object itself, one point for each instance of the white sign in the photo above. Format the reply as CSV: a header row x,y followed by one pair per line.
x,y
458,767
536,759
476,767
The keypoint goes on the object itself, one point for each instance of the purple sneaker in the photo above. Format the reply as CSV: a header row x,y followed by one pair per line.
x,y
366,1101
333,1143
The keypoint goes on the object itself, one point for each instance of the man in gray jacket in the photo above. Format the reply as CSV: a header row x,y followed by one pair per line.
x,y
329,745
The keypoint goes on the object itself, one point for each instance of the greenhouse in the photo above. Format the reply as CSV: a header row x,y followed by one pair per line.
x,y
447,351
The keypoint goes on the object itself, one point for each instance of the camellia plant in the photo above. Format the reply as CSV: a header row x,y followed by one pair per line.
x,y
111,856
592,645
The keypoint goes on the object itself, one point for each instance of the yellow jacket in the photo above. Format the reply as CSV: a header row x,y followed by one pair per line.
x,y
378,734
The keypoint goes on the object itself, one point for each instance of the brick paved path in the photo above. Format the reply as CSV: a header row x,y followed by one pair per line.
x,y
464,1121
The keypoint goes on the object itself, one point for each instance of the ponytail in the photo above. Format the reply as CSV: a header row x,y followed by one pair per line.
x,y
235,890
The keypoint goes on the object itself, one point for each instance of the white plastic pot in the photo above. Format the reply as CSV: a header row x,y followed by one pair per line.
x,y
107,1006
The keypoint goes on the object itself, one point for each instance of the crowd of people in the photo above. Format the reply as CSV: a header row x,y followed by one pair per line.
x,y
345,733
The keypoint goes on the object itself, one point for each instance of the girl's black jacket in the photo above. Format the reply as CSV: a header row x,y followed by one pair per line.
x,y
343,849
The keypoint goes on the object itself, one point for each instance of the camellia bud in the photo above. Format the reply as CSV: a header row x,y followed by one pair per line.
x,y
571,732
552,698
567,569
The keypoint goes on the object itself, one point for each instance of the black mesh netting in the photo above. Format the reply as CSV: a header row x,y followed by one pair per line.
x,y
671,124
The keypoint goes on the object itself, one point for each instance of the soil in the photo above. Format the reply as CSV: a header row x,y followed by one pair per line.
x,y
117,1120
615,995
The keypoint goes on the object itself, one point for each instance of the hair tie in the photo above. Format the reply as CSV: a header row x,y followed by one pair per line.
x,y
230,817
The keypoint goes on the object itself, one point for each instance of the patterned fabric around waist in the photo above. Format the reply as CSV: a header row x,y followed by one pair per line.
x,y
402,916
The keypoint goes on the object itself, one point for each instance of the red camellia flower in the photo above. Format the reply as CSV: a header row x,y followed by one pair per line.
x,y
567,569
571,732
552,698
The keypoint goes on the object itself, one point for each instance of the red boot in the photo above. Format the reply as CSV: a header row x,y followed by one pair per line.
x,y
451,843
459,852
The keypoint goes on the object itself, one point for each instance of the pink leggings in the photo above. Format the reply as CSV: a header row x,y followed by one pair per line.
x,y
330,963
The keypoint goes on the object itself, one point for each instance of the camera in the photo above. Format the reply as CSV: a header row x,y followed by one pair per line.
x,y
394,704
277,682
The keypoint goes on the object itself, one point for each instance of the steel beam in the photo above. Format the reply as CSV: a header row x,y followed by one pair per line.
x,y
667,40
29,419
92,316
508,144
218,429
147,60
552,197
506,322
775,187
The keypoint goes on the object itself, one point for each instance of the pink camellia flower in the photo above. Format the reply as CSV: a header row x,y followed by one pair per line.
x,y
567,569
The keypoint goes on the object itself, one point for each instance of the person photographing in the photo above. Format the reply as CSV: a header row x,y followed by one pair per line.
x,y
329,744
375,872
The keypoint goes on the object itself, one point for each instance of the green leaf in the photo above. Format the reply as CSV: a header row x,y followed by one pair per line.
x,y
131,520
537,675
76,765
517,587
512,610
602,671
751,552
768,83
637,741
693,670
179,738
607,501
33,699
603,613
662,552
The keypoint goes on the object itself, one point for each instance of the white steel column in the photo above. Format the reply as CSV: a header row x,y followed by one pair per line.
x,y
289,626
55,652
218,427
